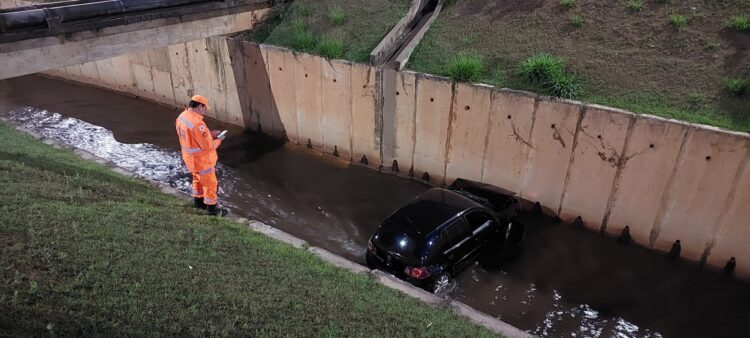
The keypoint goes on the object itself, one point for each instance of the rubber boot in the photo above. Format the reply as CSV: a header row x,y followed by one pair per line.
x,y
198,203
213,210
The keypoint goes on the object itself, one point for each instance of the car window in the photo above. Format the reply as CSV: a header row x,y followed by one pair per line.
x,y
477,218
439,244
458,231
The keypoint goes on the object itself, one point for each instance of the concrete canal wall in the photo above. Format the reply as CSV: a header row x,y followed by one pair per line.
x,y
667,180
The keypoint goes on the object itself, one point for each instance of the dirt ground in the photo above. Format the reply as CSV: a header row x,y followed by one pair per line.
x,y
617,50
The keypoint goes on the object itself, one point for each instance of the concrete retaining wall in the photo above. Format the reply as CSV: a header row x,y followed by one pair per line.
x,y
666,180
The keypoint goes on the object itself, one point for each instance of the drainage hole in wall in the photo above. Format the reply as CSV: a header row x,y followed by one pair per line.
x,y
651,146
553,126
432,99
397,93
508,117
708,158
599,136
467,107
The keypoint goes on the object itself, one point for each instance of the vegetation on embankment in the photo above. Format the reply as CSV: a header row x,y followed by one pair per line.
x,y
678,59
335,29
86,251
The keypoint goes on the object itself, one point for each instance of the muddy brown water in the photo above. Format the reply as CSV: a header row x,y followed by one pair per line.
x,y
564,282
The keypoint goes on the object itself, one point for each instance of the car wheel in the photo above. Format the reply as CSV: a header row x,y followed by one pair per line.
x,y
441,283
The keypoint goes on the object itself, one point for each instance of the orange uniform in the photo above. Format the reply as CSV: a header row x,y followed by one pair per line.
x,y
199,154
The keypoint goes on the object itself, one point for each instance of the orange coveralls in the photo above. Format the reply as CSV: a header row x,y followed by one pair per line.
x,y
199,154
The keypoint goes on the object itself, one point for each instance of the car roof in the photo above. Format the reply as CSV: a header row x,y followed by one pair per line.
x,y
430,210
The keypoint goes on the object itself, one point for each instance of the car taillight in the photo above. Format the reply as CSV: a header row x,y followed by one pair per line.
x,y
418,273
371,248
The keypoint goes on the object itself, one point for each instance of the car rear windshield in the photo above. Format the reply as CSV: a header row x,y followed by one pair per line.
x,y
399,241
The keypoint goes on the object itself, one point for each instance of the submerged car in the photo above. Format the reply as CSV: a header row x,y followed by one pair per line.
x,y
441,232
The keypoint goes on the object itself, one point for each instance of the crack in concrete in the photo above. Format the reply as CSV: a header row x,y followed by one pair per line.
x,y
556,135
520,138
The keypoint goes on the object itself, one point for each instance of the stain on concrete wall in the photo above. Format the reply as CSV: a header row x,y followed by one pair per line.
x,y
431,127
467,137
511,122
555,126
698,195
366,118
337,108
651,153
597,158
308,74
283,91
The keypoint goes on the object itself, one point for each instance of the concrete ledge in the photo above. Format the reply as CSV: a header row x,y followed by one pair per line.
x,y
493,324
338,261
277,234
406,288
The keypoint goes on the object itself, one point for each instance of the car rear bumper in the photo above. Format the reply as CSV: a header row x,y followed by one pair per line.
x,y
375,262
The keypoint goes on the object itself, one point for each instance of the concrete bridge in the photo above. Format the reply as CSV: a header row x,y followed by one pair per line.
x,y
40,37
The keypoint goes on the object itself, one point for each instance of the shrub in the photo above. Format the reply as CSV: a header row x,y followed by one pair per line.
x,y
567,3
337,16
739,22
576,21
465,68
332,48
304,40
298,25
539,68
635,5
736,87
548,72
677,20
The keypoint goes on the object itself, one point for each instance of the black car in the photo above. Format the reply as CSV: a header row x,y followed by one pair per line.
x,y
442,231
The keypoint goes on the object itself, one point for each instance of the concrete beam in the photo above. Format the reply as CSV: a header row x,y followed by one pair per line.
x,y
46,53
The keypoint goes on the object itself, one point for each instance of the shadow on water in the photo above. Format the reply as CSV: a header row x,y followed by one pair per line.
x,y
563,280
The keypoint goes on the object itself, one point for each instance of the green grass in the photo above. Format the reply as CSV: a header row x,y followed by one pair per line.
x,y
332,48
677,20
465,68
548,73
736,87
635,5
739,22
700,110
88,252
577,21
360,24
336,16
567,3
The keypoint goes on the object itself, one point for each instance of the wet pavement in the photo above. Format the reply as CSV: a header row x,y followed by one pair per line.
x,y
566,282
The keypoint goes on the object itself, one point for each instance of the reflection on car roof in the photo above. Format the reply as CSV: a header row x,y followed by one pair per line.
x,y
430,210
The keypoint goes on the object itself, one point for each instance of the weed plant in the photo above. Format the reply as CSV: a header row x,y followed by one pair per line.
x,y
635,5
740,23
677,20
548,72
577,21
336,16
736,87
466,68
332,48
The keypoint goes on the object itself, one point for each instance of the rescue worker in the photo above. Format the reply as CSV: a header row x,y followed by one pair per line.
x,y
199,153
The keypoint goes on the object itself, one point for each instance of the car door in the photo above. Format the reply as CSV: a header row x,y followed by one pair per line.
x,y
483,226
459,234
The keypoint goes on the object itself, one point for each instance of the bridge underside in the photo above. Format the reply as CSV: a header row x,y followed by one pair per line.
x,y
36,51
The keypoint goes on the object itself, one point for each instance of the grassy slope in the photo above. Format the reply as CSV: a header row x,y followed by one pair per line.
x,y
627,59
88,251
366,23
